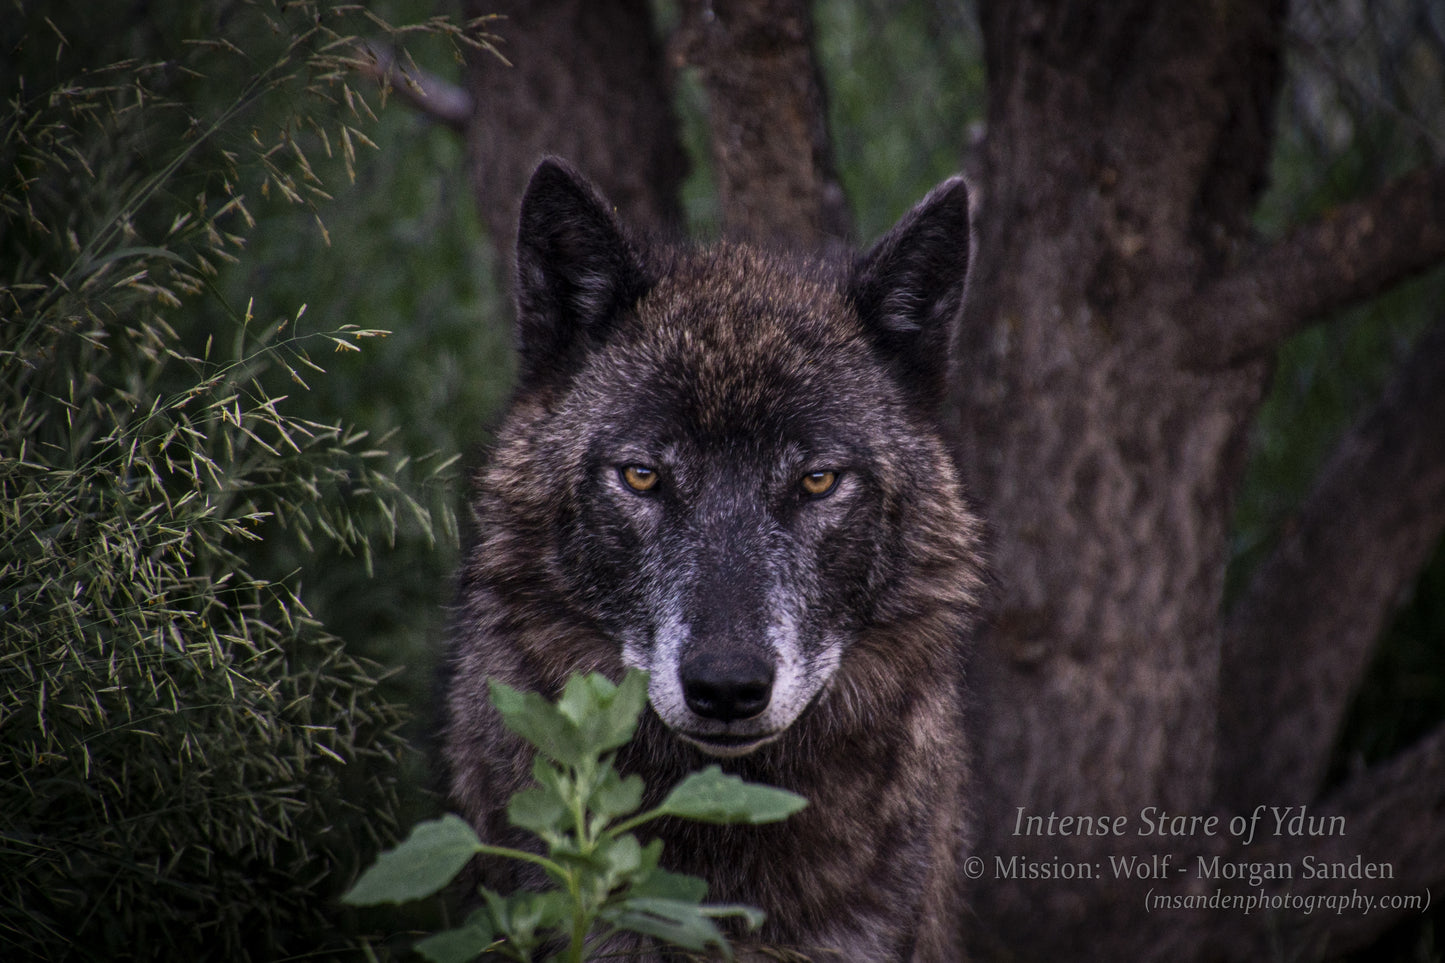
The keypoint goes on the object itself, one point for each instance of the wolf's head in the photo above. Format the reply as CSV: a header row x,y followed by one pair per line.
x,y
736,451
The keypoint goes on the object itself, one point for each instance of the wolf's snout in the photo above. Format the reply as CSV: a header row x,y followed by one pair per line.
x,y
726,688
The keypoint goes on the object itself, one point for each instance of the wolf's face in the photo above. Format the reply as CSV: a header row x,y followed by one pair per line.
x,y
734,448
734,478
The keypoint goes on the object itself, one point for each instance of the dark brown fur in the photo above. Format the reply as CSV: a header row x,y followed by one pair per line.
x,y
735,370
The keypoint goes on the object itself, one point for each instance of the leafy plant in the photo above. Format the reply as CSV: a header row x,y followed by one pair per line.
x,y
585,813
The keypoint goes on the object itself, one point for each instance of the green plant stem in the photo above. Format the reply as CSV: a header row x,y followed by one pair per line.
x,y
581,920
628,825
581,914
555,868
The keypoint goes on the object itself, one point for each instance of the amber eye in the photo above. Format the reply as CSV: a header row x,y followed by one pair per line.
x,y
819,483
639,478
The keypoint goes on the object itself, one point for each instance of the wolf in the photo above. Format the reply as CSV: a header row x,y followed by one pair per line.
x,y
723,465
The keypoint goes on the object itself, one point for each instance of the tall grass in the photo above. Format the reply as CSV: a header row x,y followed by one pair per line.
x,y
190,763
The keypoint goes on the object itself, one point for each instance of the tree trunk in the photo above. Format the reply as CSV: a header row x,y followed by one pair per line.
x,y
585,81
1103,463
1117,342
1126,149
770,145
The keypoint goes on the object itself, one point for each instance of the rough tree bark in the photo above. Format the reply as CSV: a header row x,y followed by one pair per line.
x,y
771,150
586,81
1114,352
582,80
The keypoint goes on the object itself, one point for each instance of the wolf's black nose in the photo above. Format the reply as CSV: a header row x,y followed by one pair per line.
x,y
726,687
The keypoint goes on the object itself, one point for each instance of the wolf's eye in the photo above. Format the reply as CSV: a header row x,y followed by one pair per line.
x,y
639,478
819,483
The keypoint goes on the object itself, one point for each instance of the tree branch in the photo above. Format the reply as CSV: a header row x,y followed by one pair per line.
x,y
443,102
1393,813
1350,254
1297,643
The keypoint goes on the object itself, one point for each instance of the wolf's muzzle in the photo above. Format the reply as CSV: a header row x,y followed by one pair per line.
x,y
726,687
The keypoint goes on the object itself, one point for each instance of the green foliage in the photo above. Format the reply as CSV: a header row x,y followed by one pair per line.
x,y
186,752
585,813
906,92
406,253
425,862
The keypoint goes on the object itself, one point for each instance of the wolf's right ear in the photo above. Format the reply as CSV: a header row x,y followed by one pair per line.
x,y
576,271
908,289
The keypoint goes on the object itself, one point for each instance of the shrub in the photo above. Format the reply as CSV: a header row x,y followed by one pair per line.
x,y
185,752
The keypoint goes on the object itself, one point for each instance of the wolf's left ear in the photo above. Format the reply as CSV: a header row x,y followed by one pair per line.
x,y
576,271
908,289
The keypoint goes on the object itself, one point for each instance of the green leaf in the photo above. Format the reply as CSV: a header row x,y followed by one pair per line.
x,y
584,697
712,797
604,713
461,945
622,856
549,775
525,919
497,907
752,916
540,723
425,861
539,810
662,884
674,921
616,795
